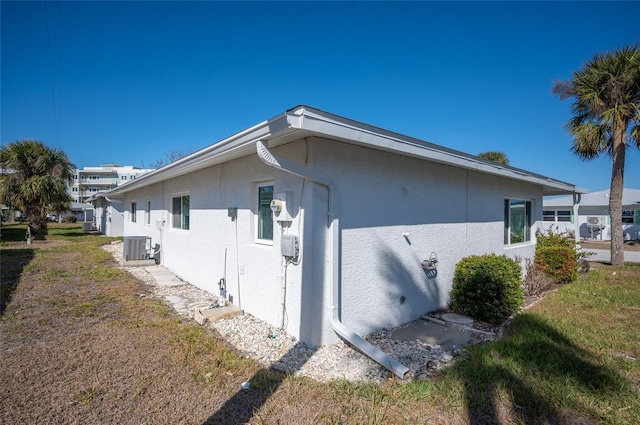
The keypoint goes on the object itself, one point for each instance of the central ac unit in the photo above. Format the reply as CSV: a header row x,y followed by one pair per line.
x,y
136,247
596,221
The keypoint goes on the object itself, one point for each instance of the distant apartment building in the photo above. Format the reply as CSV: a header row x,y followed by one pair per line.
x,y
91,180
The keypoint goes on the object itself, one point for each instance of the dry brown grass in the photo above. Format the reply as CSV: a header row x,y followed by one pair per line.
x,y
79,345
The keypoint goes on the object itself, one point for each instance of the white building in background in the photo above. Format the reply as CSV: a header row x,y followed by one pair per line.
x,y
594,221
88,181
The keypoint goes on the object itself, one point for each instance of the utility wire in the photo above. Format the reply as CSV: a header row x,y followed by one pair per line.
x,y
53,91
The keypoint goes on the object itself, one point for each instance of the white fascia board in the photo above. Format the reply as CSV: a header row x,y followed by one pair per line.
x,y
332,126
236,146
303,121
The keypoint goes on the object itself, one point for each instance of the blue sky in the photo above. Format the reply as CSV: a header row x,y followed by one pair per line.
x,y
128,82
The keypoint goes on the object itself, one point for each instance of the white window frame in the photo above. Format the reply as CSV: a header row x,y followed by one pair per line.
x,y
133,209
557,216
257,217
147,212
184,220
509,204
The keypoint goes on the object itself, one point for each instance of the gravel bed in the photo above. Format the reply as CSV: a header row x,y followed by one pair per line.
x,y
275,348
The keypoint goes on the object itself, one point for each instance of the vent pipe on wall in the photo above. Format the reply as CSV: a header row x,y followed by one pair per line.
x,y
374,353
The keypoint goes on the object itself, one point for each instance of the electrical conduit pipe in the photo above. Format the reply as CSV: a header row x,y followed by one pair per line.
x,y
391,364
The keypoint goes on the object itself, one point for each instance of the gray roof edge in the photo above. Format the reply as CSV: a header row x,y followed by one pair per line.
x,y
315,121
630,198
265,129
391,141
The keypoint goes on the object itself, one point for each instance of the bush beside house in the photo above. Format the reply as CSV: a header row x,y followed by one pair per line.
x,y
557,257
487,287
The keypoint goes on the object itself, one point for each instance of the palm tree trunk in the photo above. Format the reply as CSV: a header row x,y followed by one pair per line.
x,y
615,195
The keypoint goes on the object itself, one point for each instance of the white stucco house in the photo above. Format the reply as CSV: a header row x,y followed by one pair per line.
x,y
81,211
594,221
108,217
330,227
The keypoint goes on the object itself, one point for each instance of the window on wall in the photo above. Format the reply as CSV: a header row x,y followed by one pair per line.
x,y
628,216
180,212
133,212
147,211
517,221
564,215
265,216
559,215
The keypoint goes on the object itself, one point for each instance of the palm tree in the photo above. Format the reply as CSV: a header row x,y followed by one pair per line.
x,y
499,157
34,180
606,109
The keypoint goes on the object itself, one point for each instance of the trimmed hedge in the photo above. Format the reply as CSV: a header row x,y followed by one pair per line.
x,y
487,287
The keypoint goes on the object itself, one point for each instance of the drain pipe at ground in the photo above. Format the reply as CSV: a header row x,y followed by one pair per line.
x,y
391,364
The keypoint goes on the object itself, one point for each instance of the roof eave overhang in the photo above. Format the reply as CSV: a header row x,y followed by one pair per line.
x,y
236,146
331,126
302,121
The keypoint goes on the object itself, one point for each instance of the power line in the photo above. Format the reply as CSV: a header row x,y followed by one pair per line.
x,y
53,94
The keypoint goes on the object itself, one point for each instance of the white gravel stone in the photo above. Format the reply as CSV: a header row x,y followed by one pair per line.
x,y
275,348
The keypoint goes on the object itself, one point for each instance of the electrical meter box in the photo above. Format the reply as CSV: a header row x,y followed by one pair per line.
x,y
289,246
281,206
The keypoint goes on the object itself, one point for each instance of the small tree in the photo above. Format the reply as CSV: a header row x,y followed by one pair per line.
x,y
170,157
35,180
499,157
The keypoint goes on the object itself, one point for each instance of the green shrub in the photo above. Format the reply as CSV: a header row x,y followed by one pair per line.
x,y
560,263
557,257
71,219
554,239
487,287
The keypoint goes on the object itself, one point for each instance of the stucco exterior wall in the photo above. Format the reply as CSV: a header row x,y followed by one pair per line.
x,y
109,218
253,270
394,212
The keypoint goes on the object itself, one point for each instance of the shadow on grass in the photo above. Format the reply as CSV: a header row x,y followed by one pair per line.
x,y
70,234
536,368
12,263
243,406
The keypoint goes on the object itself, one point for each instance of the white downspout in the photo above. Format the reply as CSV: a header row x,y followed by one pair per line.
x,y
374,353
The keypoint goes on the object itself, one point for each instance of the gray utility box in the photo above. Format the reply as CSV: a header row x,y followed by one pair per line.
x,y
136,247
